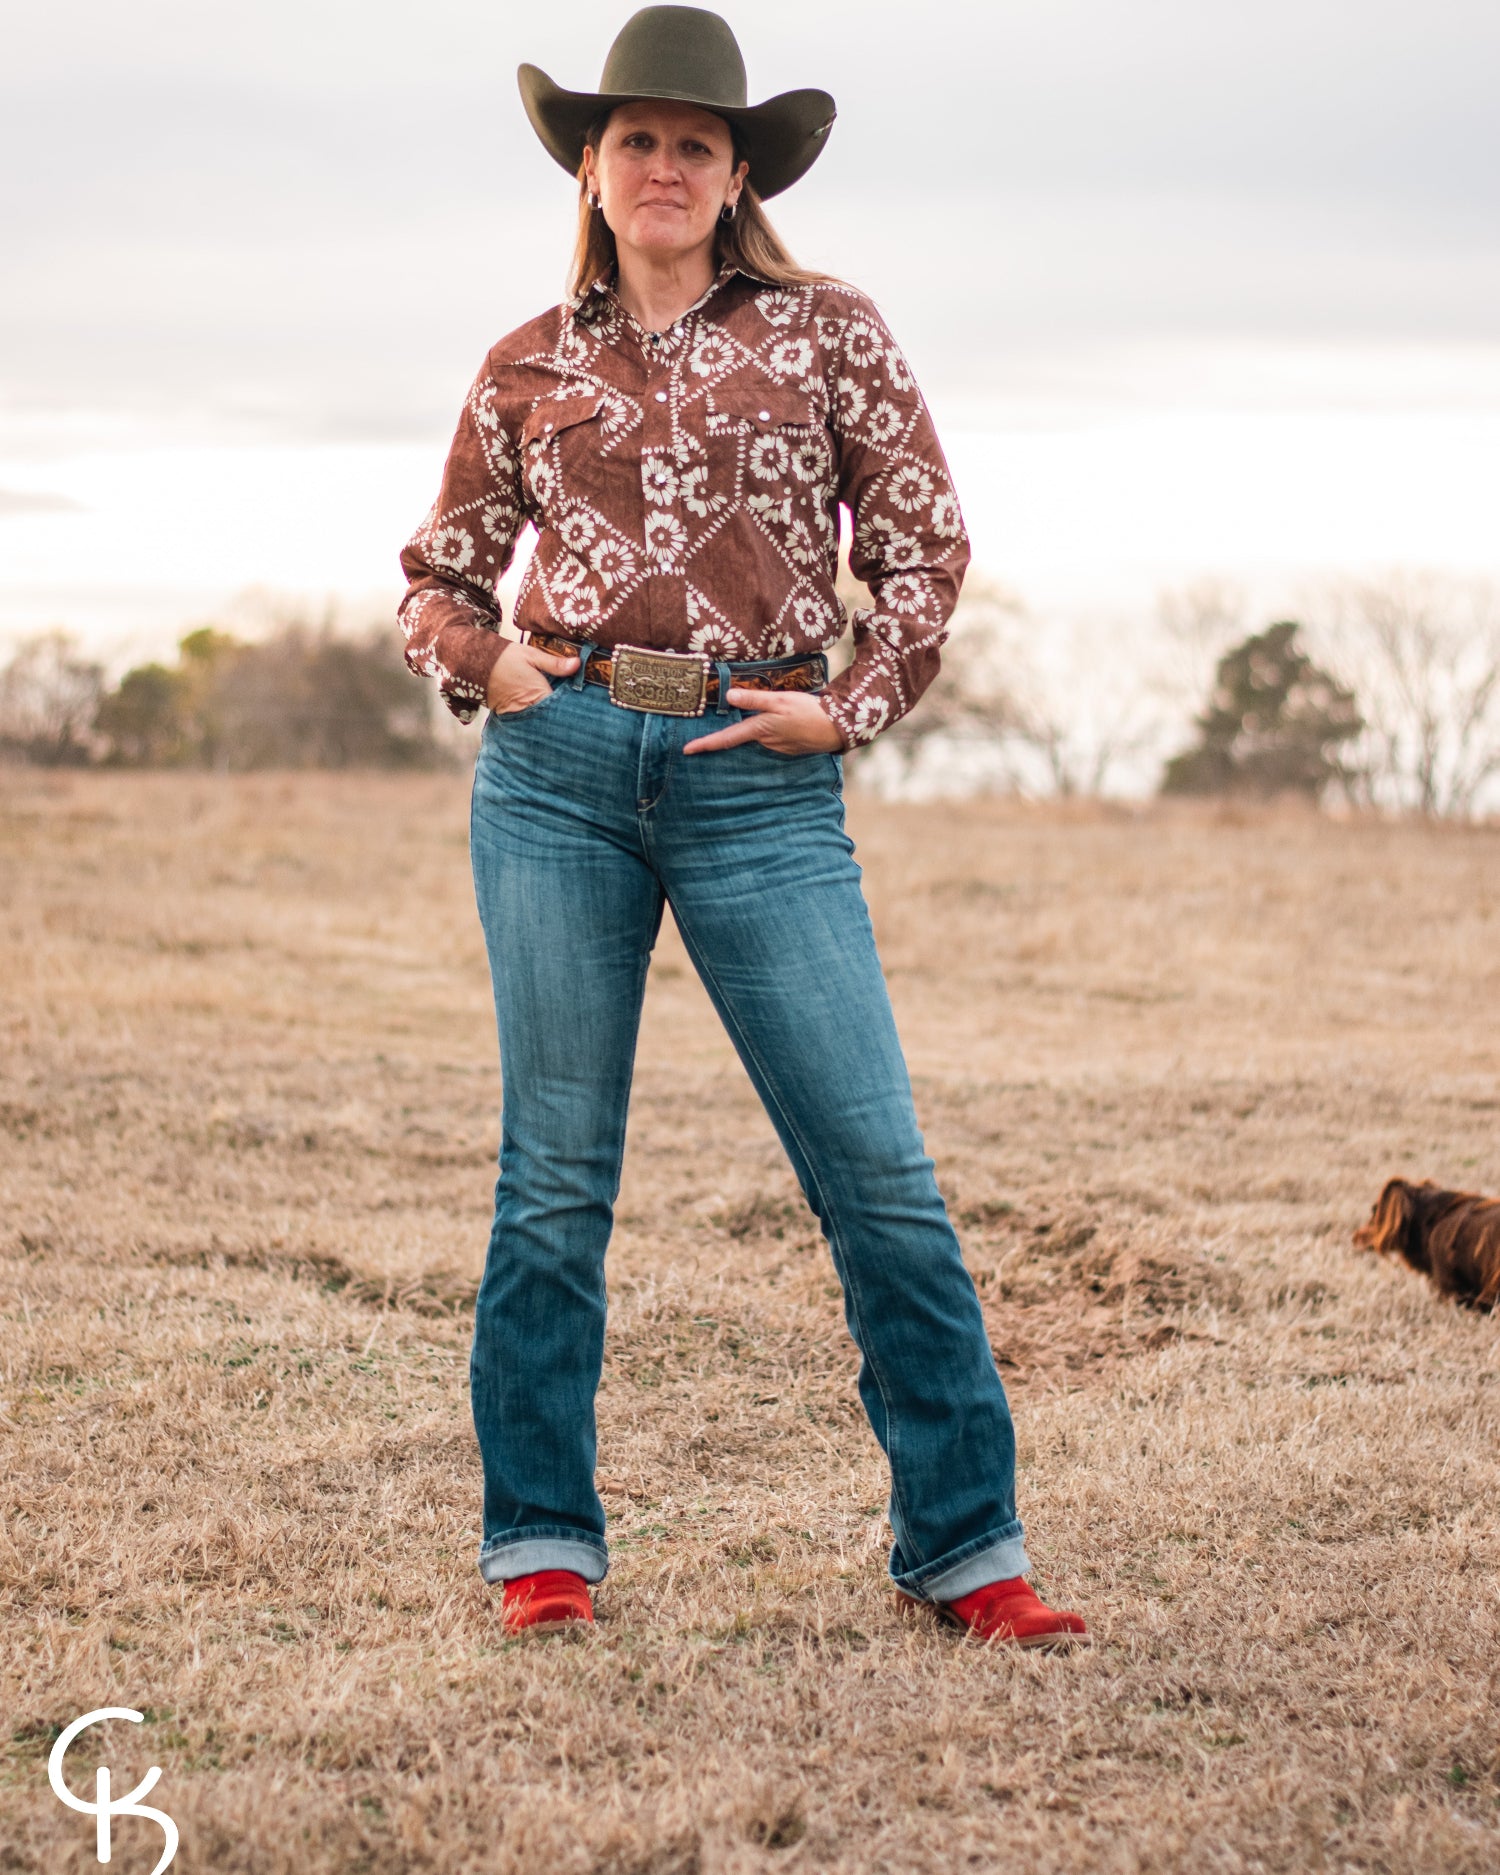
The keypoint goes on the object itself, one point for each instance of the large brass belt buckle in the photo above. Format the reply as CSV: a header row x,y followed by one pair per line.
x,y
673,683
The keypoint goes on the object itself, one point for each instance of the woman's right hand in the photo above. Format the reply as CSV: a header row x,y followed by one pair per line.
x,y
517,680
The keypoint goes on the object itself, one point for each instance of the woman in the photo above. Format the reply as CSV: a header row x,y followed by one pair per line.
x,y
681,433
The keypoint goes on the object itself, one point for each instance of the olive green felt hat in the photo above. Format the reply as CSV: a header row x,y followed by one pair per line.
x,y
689,55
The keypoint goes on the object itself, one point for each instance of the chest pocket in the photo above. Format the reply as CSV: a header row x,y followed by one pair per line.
x,y
753,406
560,453
776,438
550,419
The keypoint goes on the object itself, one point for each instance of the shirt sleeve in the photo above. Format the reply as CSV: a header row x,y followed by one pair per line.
x,y
450,615
909,545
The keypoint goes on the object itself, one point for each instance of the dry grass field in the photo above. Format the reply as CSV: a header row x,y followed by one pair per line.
x,y
248,1111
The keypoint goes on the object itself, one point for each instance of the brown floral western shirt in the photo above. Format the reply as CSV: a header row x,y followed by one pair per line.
x,y
685,489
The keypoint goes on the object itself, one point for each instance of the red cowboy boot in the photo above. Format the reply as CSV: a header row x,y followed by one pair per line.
x,y
1007,1611
544,1602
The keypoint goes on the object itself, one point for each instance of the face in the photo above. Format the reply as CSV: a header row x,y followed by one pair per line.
x,y
662,173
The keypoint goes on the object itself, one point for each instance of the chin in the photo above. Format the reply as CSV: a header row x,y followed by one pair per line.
x,y
664,237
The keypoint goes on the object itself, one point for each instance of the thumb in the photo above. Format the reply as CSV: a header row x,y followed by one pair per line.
x,y
552,660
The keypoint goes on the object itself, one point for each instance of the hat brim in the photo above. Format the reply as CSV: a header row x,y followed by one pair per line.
x,y
782,138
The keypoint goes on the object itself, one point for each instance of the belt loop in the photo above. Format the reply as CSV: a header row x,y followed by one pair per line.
x,y
721,708
585,652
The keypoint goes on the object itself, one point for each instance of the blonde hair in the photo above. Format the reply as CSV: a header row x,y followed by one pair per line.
x,y
748,241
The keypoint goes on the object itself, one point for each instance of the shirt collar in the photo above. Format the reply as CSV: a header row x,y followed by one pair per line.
x,y
589,304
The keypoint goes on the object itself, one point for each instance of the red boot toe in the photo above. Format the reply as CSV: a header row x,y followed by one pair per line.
x,y
1011,1611
545,1601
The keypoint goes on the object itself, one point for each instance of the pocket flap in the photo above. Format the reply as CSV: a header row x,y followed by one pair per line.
x,y
558,413
767,406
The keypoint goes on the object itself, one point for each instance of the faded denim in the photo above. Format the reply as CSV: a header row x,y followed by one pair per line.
x,y
586,820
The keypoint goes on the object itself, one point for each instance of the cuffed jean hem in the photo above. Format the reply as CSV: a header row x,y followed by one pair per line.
x,y
503,1558
989,1559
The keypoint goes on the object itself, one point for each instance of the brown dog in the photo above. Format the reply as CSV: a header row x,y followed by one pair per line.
x,y
1451,1236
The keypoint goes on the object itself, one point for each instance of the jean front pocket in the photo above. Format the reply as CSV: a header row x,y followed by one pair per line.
x,y
554,684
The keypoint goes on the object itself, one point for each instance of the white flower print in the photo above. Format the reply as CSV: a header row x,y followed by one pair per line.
x,y
769,457
863,343
884,423
573,344
906,594
946,519
499,519
812,618
666,538
898,370
566,574
778,309
542,477
869,717
579,607
659,480
712,353
807,460
451,547
616,414
791,358
882,541
613,561
851,400
483,407
909,489
696,497
577,528
769,509
801,545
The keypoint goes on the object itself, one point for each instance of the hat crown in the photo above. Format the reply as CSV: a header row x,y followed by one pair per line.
x,y
671,51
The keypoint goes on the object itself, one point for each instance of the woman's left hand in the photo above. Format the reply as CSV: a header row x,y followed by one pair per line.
x,y
792,722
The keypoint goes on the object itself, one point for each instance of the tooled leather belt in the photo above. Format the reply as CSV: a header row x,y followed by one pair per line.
x,y
678,683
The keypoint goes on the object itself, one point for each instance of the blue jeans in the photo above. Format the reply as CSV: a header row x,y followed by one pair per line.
x,y
586,819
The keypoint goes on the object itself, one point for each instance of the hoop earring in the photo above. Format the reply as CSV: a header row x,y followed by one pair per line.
x,y
593,201
726,213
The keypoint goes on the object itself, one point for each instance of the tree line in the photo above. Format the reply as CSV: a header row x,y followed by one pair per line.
x,y
305,696
1387,698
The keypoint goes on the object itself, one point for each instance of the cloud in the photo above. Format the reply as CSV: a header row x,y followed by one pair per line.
x,y
262,223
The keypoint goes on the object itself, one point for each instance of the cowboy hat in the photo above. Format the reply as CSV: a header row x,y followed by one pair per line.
x,y
689,55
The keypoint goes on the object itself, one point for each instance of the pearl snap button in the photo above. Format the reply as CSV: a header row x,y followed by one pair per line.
x,y
661,397
765,416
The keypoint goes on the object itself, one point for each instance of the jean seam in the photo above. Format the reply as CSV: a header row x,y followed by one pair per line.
x,y
834,1231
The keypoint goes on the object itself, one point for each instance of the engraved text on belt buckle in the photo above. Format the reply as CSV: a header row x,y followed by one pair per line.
x,y
673,683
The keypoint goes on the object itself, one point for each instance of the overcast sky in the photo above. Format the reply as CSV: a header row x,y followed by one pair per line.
x,y
302,222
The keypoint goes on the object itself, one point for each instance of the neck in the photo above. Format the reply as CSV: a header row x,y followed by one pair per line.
x,y
655,289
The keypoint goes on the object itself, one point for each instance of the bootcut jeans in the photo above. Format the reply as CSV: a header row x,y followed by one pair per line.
x,y
586,820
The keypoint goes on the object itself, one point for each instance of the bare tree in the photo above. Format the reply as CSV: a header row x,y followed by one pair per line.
x,y
972,705
1022,704
49,693
1423,651
1199,623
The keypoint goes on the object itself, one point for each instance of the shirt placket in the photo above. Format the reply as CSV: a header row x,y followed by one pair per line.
x,y
666,585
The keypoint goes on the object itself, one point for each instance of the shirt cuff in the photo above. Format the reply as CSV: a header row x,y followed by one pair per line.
x,y
466,654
